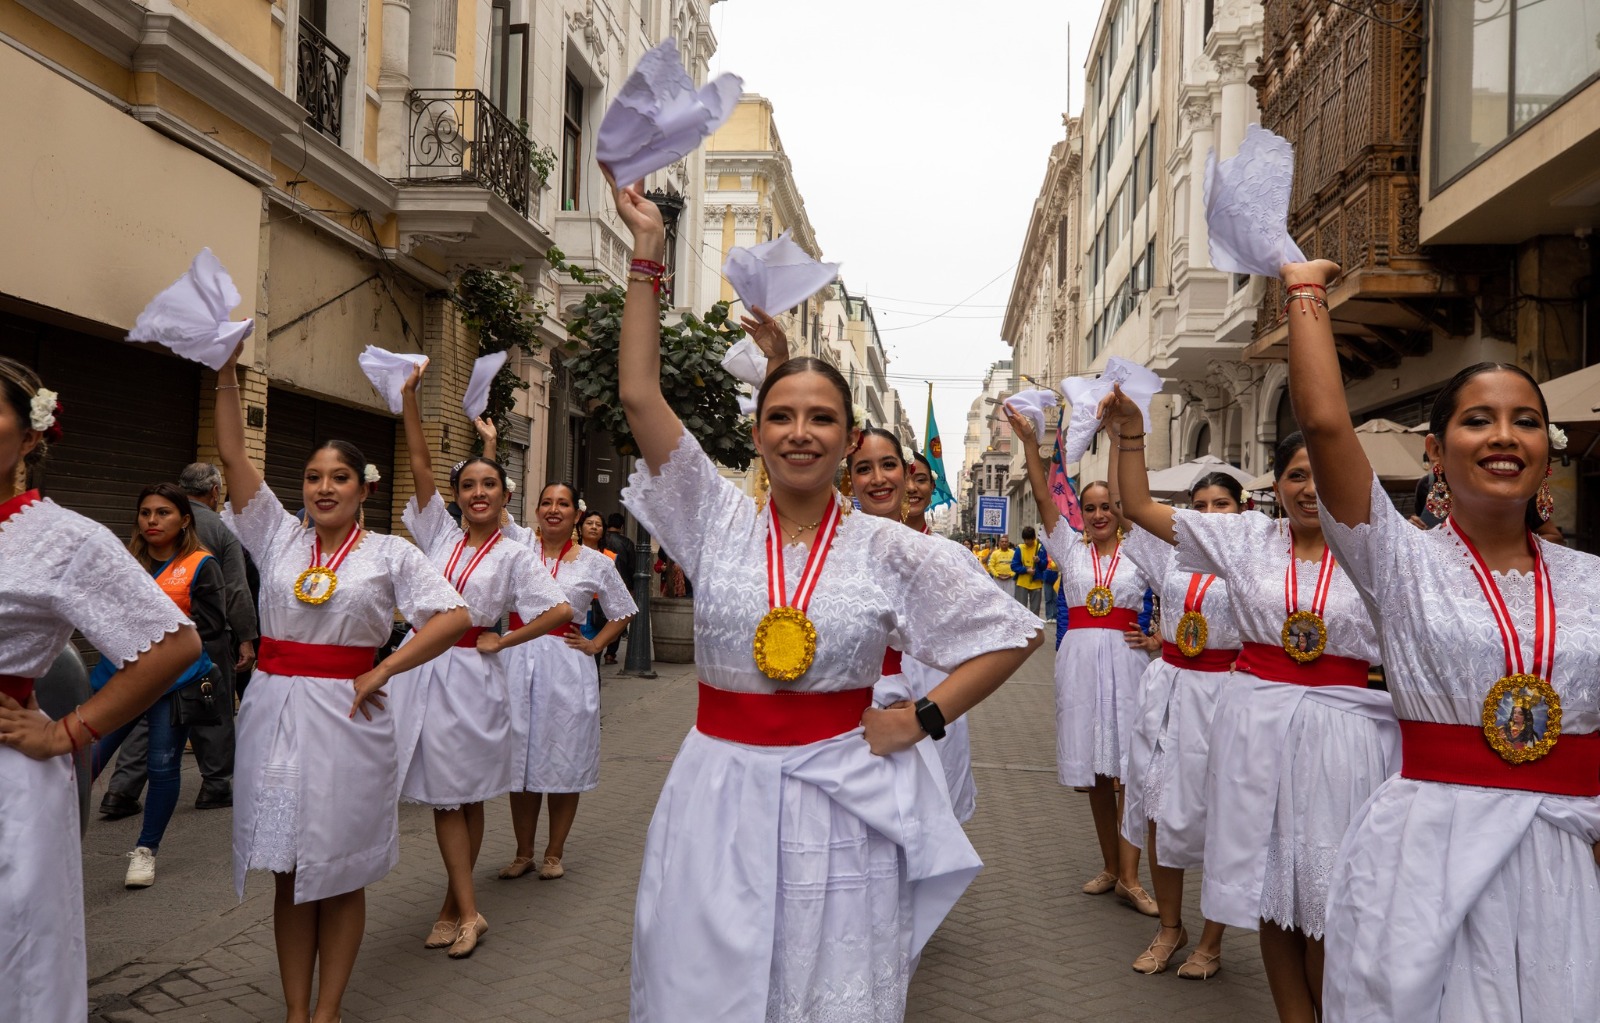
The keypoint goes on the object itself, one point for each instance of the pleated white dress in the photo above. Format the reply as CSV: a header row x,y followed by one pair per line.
x,y
795,883
316,791
59,571
555,690
1290,764
1457,902
453,718
1171,745
1097,672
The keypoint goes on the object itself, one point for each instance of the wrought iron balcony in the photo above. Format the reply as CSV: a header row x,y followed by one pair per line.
x,y
321,80
458,136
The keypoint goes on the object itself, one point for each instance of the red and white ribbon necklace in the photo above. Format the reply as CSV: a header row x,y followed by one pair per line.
x,y
1544,609
777,588
1111,569
555,572
1198,585
455,557
1291,582
339,555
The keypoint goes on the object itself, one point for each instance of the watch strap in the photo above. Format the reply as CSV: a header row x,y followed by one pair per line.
x,y
930,717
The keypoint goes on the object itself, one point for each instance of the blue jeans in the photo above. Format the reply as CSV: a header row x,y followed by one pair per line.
x,y
166,767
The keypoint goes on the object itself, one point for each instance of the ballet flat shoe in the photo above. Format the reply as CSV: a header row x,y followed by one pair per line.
x,y
443,934
1138,898
551,869
1201,965
1100,884
469,937
516,868
1154,959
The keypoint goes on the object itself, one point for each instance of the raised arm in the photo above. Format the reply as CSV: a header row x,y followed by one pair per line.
x,y
1112,461
1124,424
422,481
1038,478
656,428
489,435
1316,387
244,479
768,336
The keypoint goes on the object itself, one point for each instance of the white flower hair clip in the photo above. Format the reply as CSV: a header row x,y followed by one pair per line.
x,y
42,409
1558,438
511,485
859,414
371,474
581,506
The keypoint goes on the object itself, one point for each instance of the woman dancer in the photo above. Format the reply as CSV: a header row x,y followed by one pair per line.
x,y
317,786
1165,807
1298,741
58,572
555,683
592,534
166,544
1098,664
453,714
1467,888
789,874
919,492
878,478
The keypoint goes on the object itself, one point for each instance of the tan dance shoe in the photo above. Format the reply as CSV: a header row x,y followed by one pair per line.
x,y
1100,883
443,935
1201,965
467,941
1154,959
516,868
1138,898
551,869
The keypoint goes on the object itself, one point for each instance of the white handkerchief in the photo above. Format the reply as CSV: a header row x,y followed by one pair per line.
x,y
658,117
746,362
191,317
747,406
1032,404
388,372
483,371
1084,393
776,275
1247,206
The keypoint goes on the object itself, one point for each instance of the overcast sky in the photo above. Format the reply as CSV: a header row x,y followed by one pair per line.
x,y
919,134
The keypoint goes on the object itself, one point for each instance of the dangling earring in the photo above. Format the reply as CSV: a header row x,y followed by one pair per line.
x,y
1438,502
905,506
19,479
846,487
1545,503
1119,534
763,484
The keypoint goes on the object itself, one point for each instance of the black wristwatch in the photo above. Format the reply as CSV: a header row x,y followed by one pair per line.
x,y
930,717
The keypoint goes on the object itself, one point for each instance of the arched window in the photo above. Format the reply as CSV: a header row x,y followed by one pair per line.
x,y
1202,441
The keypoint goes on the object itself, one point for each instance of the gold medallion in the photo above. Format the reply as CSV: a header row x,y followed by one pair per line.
x,y
1192,633
1522,718
1099,601
785,644
315,585
1305,636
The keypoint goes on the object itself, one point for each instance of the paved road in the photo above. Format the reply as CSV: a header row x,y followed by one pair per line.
x,y
1023,944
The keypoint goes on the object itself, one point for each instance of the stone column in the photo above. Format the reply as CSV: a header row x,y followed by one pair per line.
x,y
394,81
1197,115
1238,100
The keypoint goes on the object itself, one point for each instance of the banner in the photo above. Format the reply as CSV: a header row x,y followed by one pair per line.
x,y
935,453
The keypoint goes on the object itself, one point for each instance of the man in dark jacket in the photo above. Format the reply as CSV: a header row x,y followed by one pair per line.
x,y
616,540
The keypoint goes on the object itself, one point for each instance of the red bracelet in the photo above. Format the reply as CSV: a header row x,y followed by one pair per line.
x,y
648,266
72,740
77,712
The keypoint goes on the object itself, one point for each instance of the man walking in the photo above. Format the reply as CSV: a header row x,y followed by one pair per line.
x,y
999,564
233,653
1028,563
617,541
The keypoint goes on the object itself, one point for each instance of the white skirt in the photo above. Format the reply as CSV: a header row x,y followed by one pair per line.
x,y
916,681
315,791
1167,758
453,729
43,961
555,698
1290,768
1451,902
789,884
1097,702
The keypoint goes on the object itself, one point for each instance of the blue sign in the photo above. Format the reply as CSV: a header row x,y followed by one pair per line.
x,y
992,512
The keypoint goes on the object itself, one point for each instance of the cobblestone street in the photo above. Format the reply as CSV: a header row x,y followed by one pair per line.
x,y
1023,944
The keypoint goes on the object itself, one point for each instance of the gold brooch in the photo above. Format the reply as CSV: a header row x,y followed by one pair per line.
x,y
1305,636
1522,718
785,644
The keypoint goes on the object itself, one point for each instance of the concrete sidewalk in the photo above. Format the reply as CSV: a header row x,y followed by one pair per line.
x,y
1023,944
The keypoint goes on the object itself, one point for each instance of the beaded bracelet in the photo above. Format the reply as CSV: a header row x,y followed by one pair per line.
x,y
654,280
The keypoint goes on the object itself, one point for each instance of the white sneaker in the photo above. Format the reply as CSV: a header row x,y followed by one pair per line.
x,y
141,869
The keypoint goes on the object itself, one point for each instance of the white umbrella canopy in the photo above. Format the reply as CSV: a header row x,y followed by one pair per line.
x,y
1177,480
1395,452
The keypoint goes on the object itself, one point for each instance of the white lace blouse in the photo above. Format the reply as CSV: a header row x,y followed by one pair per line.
x,y
508,579
1075,561
1441,649
882,585
589,576
1251,552
382,573
60,571
1158,559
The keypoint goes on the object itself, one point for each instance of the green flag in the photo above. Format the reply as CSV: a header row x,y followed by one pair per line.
x,y
935,452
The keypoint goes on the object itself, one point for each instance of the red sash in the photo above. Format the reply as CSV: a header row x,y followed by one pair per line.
x,y
892,662
565,628
1271,663
1457,754
1205,660
784,718
471,637
314,660
1121,619
17,687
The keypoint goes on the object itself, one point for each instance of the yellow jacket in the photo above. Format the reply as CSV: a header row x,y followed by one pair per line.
x,y
1000,562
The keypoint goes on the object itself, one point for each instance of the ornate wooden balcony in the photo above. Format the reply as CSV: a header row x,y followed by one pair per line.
x,y
1346,88
320,81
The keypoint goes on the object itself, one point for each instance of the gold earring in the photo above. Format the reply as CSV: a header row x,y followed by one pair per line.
x,y
905,505
19,479
845,486
763,484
